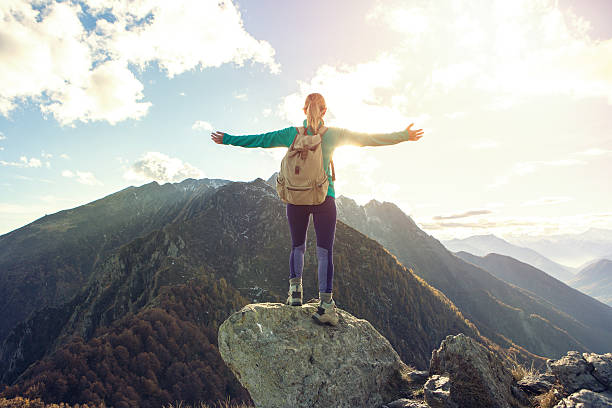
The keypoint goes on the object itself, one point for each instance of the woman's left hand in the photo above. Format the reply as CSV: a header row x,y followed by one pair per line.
x,y
414,134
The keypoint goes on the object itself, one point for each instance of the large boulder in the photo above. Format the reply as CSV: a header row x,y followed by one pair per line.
x,y
284,359
477,377
574,372
586,399
602,367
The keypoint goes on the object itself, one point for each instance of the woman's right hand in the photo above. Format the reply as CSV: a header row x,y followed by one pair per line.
x,y
217,137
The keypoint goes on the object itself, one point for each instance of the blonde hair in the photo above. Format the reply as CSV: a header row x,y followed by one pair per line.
x,y
314,106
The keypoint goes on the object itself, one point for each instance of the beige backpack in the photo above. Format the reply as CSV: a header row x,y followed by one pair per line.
x,y
302,180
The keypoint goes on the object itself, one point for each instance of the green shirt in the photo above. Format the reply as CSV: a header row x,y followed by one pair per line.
x,y
333,138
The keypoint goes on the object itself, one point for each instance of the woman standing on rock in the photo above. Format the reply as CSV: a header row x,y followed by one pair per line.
x,y
324,214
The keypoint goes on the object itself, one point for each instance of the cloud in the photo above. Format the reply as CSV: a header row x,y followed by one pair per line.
x,y
23,162
162,168
45,155
547,201
242,97
509,50
85,74
594,152
524,168
517,225
2,137
83,177
266,112
485,144
363,96
462,215
202,125
64,156
1,148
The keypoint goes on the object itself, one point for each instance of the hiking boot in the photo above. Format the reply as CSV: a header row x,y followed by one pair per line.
x,y
295,292
326,314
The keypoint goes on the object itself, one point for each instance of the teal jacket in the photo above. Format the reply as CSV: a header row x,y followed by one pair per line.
x,y
333,138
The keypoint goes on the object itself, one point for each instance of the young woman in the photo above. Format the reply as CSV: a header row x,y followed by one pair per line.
x,y
324,214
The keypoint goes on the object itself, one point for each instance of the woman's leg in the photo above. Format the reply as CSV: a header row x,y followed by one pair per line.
x,y
298,217
324,218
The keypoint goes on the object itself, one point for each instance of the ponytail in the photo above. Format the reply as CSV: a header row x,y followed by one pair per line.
x,y
314,105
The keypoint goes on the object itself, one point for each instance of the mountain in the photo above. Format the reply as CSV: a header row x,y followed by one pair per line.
x,y
596,280
481,245
583,308
142,330
508,315
46,262
571,249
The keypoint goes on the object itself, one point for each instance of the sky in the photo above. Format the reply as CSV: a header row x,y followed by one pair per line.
x,y
514,97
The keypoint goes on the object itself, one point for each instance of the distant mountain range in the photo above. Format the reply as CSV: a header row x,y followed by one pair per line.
x,y
481,245
582,307
596,280
503,312
574,250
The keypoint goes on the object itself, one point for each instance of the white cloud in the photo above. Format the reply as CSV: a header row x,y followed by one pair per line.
x,y
516,49
45,155
64,156
1,148
202,125
503,225
2,137
485,144
594,152
83,177
356,96
23,162
241,96
524,168
162,168
182,93
109,92
83,75
87,178
266,112
215,26
547,201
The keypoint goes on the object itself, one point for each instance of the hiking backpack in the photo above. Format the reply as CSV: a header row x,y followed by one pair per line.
x,y
302,180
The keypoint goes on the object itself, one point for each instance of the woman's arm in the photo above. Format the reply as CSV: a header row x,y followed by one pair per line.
x,y
278,138
378,139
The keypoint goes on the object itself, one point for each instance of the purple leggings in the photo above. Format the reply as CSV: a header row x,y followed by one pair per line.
x,y
324,218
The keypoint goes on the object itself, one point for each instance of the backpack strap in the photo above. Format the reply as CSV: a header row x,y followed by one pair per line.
x,y
300,131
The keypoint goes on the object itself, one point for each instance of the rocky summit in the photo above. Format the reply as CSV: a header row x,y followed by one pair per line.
x,y
284,359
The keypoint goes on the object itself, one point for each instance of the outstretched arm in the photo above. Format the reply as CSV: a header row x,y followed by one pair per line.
x,y
379,139
278,138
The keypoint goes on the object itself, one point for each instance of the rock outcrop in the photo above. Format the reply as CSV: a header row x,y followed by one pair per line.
x,y
284,359
585,379
476,376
